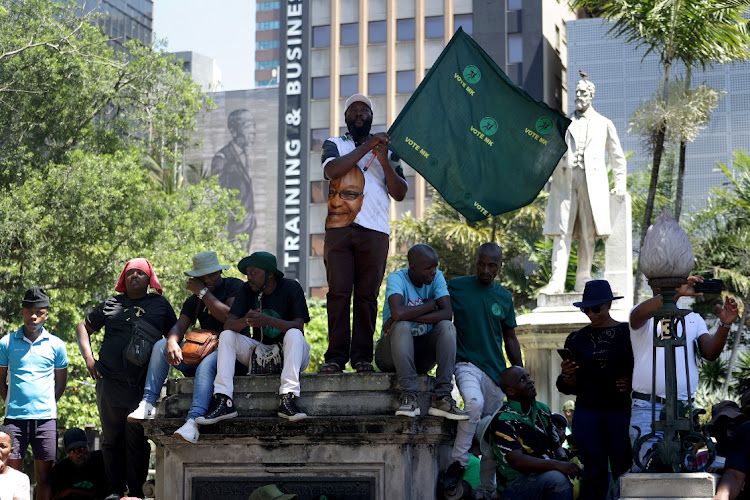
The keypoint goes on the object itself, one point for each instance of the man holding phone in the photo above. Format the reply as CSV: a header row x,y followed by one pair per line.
x,y
641,337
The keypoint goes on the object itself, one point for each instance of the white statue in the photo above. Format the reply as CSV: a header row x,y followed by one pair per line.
x,y
578,206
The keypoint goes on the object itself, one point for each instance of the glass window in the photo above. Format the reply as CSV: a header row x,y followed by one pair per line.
x,y
266,64
319,191
405,81
267,25
317,241
514,4
376,84
515,48
376,32
433,27
268,5
317,136
321,36
349,85
268,44
410,180
405,29
321,87
465,21
350,34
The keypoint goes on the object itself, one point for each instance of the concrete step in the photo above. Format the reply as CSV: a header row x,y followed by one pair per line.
x,y
354,394
685,486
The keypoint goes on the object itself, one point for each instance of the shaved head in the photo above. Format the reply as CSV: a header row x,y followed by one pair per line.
x,y
490,250
508,377
420,251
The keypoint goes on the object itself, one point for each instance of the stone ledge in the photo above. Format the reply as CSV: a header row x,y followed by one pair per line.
x,y
668,486
321,430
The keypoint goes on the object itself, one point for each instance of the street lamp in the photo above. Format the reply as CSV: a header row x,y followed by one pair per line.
x,y
666,261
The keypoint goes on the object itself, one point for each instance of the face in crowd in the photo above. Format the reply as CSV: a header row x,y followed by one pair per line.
x,y
423,263
136,282
489,262
358,118
256,278
345,197
211,281
34,318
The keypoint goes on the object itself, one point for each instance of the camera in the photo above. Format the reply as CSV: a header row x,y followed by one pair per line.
x,y
709,286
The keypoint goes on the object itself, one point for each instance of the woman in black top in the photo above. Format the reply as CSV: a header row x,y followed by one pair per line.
x,y
599,374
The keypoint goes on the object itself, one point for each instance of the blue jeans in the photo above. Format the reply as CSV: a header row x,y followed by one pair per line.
x,y
640,416
602,439
550,485
203,386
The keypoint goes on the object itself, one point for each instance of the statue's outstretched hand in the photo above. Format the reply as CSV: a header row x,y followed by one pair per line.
x,y
619,192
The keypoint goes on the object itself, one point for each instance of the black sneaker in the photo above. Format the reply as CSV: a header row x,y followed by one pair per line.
x,y
288,408
452,476
221,408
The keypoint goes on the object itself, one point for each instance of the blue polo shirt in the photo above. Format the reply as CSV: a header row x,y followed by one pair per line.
x,y
31,392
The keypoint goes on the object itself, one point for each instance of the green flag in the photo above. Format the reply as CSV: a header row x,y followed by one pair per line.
x,y
483,143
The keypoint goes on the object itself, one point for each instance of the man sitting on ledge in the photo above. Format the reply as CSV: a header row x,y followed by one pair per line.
x,y
276,309
417,333
526,444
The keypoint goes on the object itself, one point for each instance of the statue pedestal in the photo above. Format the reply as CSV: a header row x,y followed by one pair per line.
x,y
693,486
351,445
543,331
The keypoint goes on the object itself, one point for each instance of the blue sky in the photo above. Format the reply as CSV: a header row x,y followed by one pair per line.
x,y
223,30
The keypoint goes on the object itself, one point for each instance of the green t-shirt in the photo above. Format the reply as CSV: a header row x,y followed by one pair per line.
x,y
471,474
480,313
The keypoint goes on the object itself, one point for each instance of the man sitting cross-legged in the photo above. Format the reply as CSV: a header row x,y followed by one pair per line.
x,y
526,445
212,297
417,333
276,309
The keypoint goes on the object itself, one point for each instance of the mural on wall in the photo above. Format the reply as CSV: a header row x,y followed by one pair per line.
x,y
240,139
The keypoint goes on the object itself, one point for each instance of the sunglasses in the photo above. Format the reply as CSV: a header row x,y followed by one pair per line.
x,y
596,309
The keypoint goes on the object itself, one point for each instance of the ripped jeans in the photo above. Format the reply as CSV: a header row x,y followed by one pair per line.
x,y
550,485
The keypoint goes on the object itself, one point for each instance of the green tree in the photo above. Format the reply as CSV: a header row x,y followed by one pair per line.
x,y
722,241
456,240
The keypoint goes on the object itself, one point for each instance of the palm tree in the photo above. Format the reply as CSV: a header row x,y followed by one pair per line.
x,y
696,32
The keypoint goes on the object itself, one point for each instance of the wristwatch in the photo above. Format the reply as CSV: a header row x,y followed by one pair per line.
x,y
202,293
721,323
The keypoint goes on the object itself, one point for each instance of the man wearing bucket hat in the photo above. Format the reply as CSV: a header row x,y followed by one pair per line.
x,y
521,435
598,373
212,296
120,381
275,309
696,332
38,365
355,251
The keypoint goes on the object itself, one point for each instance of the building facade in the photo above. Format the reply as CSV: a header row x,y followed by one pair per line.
x,y
125,20
624,79
267,43
384,48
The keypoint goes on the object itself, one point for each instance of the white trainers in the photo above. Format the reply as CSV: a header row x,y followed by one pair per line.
x,y
145,411
189,432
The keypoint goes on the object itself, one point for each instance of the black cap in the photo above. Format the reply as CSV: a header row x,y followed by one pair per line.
x,y
74,438
35,298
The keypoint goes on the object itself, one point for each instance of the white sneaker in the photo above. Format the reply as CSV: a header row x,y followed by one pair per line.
x,y
145,411
189,432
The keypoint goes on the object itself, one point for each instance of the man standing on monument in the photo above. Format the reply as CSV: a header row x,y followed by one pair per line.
x,y
355,252
578,206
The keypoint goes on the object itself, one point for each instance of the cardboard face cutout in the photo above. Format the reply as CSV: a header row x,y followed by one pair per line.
x,y
345,197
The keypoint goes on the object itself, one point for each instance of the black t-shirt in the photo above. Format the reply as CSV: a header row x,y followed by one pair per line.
x,y
229,287
603,356
91,477
287,302
116,315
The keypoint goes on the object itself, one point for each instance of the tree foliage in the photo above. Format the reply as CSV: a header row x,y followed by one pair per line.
x,y
80,123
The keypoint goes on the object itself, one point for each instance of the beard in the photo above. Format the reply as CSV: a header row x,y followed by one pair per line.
x,y
361,131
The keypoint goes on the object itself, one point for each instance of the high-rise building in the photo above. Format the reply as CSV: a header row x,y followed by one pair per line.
x,y
125,20
625,79
267,42
383,48
204,70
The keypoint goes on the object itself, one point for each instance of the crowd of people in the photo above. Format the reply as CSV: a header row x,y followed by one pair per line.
x,y
464,327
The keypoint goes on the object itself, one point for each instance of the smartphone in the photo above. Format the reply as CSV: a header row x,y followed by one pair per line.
x,y
565,354
709,286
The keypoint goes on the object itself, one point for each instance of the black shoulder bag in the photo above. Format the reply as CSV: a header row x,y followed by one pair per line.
x,y
145,335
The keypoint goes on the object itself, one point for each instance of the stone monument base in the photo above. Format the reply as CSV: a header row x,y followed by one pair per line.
x,y
350,447
693,486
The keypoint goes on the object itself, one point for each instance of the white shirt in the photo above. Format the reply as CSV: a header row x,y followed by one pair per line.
x,y
14,484
376,204
642,341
